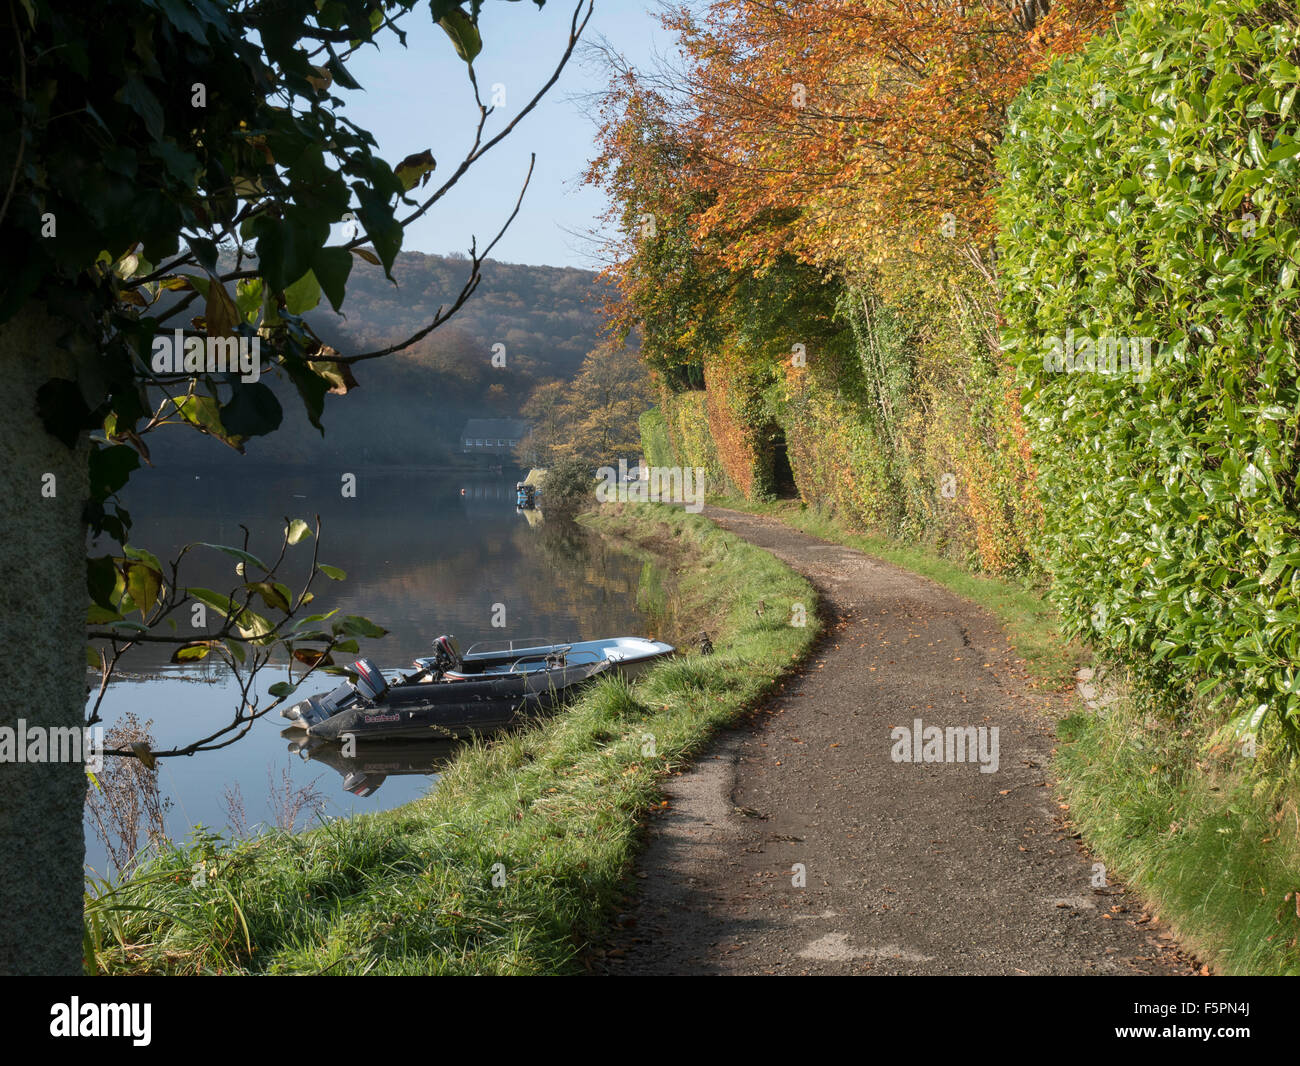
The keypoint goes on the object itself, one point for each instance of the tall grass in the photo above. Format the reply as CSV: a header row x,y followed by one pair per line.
x,y
514,862
1210,838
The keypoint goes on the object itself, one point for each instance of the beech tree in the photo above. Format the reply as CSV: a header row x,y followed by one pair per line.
x,y
170,171
829,128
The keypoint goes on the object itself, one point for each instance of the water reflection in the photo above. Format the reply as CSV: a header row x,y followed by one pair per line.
x,y
421,558
371,764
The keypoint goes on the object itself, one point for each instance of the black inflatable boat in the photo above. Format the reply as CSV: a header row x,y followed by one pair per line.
x,y
373,709
451,695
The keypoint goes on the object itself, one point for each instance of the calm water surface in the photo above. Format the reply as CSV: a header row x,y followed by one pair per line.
x,y
425,554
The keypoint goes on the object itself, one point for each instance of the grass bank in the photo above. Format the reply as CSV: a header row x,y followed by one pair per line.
x,y
513,863
1210,839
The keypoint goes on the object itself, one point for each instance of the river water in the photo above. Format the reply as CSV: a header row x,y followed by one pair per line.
x,y
425,553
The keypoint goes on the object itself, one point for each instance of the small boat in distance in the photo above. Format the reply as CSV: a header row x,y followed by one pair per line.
x,y
451,695
527,497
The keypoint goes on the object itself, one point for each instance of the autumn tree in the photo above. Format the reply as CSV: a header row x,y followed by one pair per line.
x,y
592,418
860,122
665,281
833,154
546,408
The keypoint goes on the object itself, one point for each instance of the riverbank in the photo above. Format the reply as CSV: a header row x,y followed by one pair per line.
x,y
515,863
1210,840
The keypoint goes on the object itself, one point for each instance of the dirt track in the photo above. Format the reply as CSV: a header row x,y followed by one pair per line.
x,y
911,867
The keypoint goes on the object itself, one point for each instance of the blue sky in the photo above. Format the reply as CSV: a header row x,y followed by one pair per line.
x,y
419,97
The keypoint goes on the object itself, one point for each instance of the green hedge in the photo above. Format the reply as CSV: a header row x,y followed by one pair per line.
x,y
687,425
1151,189
655,444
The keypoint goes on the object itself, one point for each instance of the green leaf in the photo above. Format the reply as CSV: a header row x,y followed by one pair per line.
x,y
311,389
286,247
271,595
1256,148
303,295
220,603
354,625
463,33
143,584
132,552
236,553
337,374
249,295
252,411
297,531
110,469
140,99
332,267
205,251
332,572
415,169
251,625
192,652
102,578
204,413
1284,151
220,313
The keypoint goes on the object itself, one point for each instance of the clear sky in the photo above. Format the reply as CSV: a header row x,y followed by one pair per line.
x,y
419,97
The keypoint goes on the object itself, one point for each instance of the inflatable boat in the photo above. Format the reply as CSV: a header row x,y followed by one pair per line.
x,y
450,695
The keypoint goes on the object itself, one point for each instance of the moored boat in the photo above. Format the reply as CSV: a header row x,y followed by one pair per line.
x,y
451,695
629,656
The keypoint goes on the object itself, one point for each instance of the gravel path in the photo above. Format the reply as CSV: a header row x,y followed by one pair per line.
x,y
909,867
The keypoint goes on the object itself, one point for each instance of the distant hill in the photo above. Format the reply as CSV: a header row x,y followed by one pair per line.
x,y
545,316
410,406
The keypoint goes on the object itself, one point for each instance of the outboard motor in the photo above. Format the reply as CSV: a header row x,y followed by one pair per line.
x,y
446,653
371,682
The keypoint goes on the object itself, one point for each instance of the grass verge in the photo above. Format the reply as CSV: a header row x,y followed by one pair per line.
x,y
1209,838
512,864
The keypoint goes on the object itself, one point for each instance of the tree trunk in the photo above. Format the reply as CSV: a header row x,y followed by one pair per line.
x,y
42,663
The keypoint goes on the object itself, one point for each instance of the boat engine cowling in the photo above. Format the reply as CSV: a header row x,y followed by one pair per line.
x,y
447,653
371,682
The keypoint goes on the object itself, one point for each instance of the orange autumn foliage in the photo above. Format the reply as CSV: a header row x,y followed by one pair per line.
x,y
828,126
